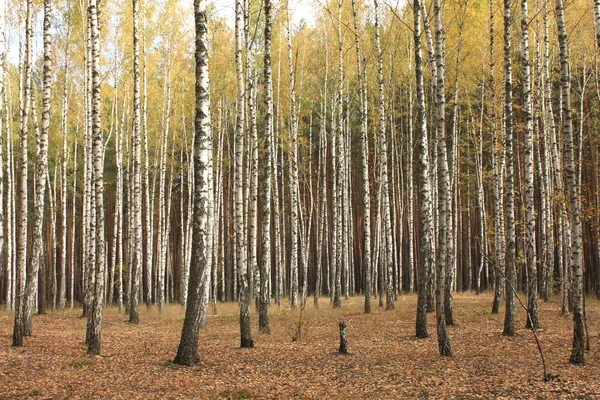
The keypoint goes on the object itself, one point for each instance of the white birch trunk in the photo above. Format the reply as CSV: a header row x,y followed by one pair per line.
x,y
2,128
530,226
136,205
62,285
577,354
294,189
244,294
387,258
321,227
20,232
425,241
94,344
73,232
364,140
187,353
162,242
443,182
509,316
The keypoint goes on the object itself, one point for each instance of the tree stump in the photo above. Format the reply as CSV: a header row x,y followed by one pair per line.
x,y
343,339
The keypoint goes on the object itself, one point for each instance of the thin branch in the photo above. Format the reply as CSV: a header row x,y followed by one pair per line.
x,y
547,376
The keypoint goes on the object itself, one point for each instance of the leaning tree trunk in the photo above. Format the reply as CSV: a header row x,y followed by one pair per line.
x,y
577,354
22,216
422,152
187,353
530,228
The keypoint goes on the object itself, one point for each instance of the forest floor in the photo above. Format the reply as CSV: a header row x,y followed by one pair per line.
x,y
385,359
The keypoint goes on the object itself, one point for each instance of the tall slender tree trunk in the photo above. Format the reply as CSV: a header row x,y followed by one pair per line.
x,y
498,166
509,316
10,212
443,182
163,239
62,276
410,179
278,221
2,110
321,227
365,167
136,207
265,264
387,258
73,231
19,325
577,354
422,152
530,228
337,135
187,353
149,214
294,189
96,312
244,294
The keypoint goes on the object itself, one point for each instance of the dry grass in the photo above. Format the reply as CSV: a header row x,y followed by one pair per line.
x,y
385,360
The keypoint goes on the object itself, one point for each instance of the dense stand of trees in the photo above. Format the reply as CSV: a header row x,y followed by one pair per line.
x,y
379,152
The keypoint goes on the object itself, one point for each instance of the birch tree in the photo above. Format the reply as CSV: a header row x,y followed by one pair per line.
x,y
244,294
136,267
422,152
387,259
265,263
21,242
149,215
443,182
365,165
532,279
509,316
498,166
187,353
577,353
2,129
336,273
294,189
163,220
62,285
95,317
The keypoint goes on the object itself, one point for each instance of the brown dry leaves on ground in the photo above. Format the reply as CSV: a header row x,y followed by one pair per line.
x,y
385,360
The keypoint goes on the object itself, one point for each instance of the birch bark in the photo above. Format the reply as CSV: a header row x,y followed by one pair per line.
x,y
187,353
